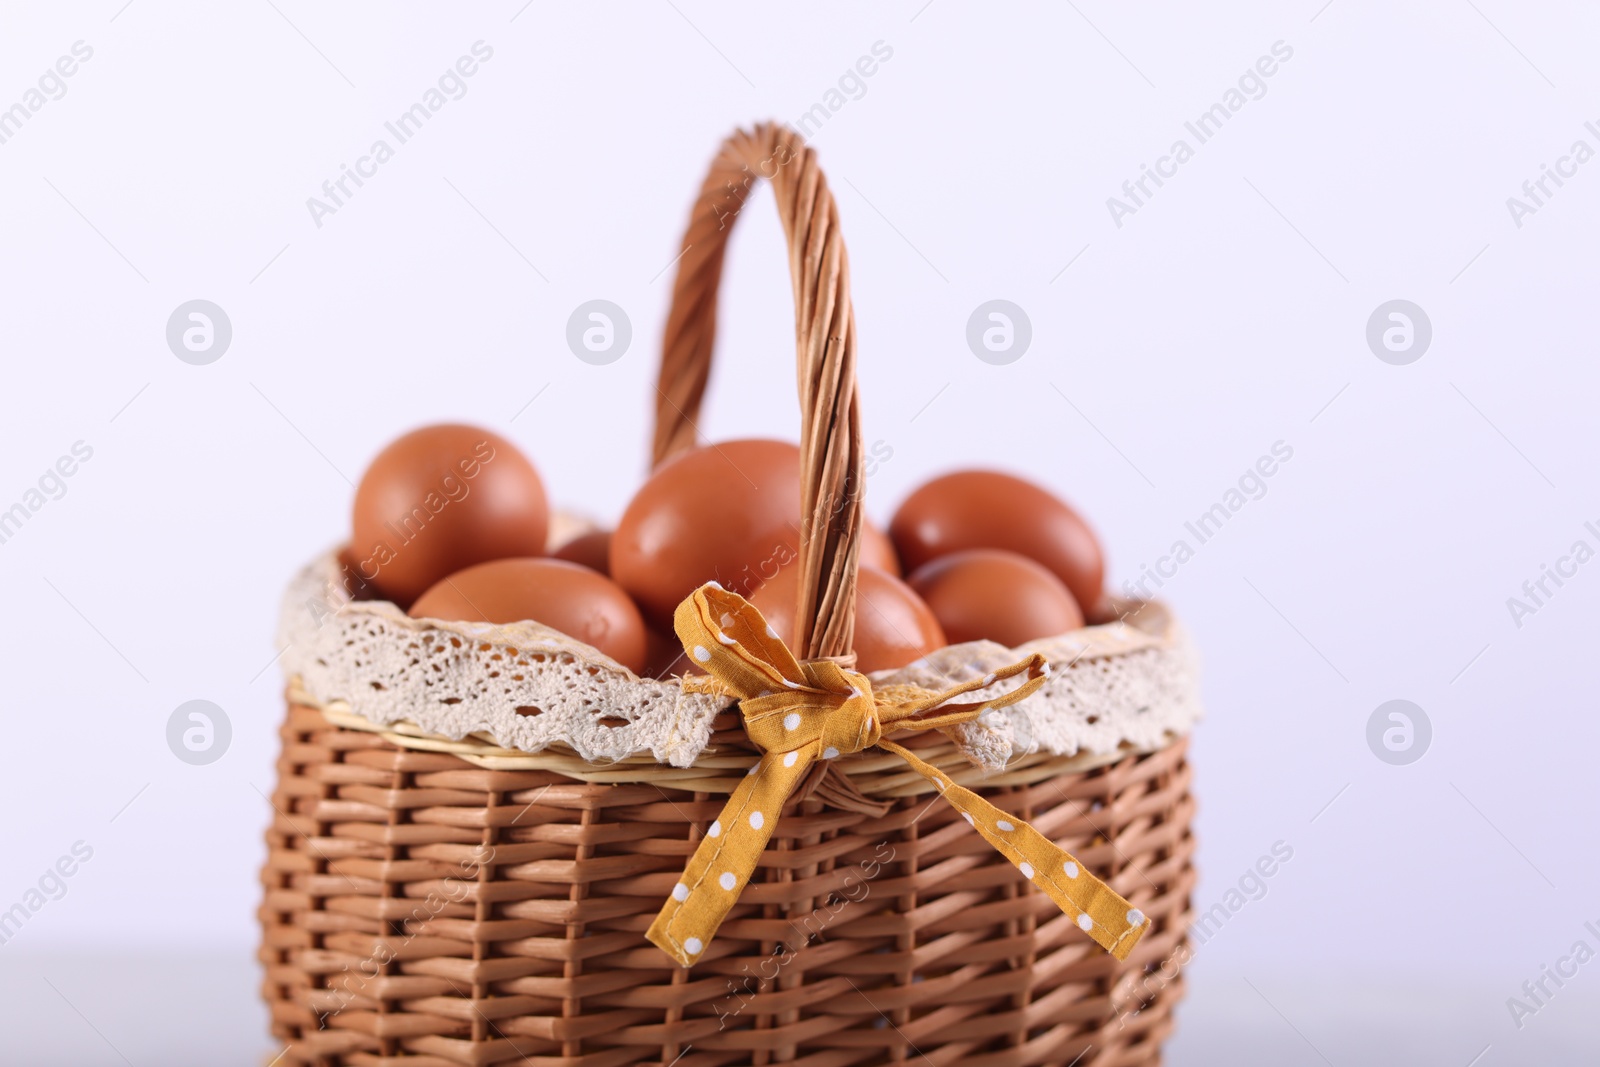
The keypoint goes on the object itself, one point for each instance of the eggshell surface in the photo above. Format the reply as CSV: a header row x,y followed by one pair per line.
x,y
986,594
441,499
877,551
563,596
592,550
988,509
893,625
727,513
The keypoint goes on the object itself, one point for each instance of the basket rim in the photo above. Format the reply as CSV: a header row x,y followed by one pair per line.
x,y
876,775
332,657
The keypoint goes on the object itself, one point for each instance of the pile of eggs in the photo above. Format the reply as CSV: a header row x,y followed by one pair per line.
x,y
451,523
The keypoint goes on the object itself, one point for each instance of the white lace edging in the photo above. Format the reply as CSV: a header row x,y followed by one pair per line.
x,y
1133,682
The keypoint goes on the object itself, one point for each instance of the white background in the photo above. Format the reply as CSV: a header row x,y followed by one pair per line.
x,y
1227,314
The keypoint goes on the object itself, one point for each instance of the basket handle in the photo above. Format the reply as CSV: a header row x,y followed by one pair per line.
x,y
832,476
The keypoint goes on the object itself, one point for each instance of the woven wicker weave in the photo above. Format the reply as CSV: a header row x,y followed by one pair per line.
x,y
423,909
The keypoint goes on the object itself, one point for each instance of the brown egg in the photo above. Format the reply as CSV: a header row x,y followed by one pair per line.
x,y
354,580
664,655
877,551
986,509
440,499
728,513
986,594
893,626
563,596
592,550
565,526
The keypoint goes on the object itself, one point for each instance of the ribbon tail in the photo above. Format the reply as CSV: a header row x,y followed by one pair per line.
x,y
727,856
1099,910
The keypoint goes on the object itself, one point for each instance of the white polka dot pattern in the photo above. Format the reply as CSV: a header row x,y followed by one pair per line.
x,y
797,714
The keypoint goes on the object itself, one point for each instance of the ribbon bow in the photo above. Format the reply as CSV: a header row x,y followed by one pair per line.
x,y
797,713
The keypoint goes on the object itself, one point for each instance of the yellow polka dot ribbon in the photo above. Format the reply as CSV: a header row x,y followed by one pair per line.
x,y
798,713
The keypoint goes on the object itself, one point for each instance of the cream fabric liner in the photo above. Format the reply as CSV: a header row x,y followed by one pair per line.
x,y
1130,684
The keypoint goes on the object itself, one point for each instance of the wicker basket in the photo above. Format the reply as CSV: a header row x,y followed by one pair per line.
x,y
440,903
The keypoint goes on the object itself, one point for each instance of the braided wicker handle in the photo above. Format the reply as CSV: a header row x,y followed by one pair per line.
x,y
831,472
